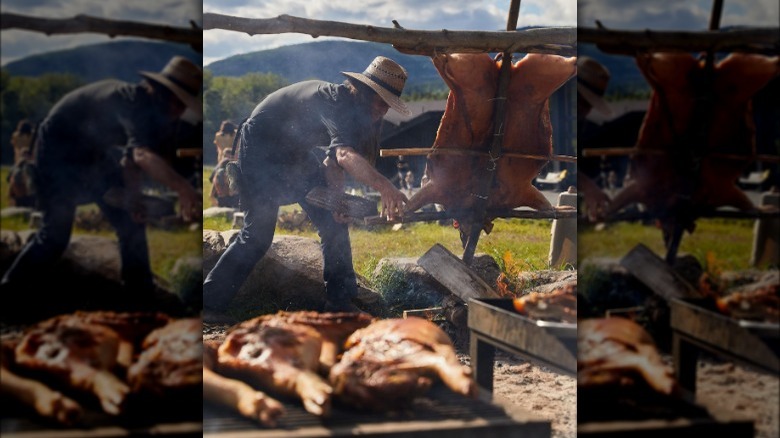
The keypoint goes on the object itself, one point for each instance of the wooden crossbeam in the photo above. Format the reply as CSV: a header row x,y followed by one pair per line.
x,y
87,24
623,42
502,213
472,152
553,40
609,152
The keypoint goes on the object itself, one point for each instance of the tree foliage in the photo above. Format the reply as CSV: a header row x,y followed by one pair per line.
x,y
24,97
232,98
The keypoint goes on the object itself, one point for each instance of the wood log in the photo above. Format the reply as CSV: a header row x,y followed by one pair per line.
x,y
441,215
86,24
553,40
455,275
622,42
610,152
453,151
656,274
343,203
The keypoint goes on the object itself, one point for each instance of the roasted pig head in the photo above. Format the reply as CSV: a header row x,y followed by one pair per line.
x,y
279,356
74,354
45,401
392,361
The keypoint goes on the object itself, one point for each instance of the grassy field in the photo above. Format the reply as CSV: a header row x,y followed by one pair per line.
x,y
165,245
516,244
718,244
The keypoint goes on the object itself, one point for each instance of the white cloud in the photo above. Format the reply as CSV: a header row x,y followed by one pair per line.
x,y
674,14
490,15
19,43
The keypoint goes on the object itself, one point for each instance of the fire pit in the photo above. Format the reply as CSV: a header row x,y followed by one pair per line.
x,y
698,327
495,324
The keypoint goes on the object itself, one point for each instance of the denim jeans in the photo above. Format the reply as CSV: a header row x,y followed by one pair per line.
x,y
255,238
58,200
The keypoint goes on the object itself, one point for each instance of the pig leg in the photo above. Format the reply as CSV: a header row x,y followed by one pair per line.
x,y
428,194
629,195
733,196
533,198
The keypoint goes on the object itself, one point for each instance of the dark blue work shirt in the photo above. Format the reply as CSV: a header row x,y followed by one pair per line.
x,y
84,135
289,134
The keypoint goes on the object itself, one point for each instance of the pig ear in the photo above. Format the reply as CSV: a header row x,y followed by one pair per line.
x,y
742,75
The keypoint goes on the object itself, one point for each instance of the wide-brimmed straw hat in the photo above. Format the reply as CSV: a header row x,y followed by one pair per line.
x,y
184,79
592,80
387,78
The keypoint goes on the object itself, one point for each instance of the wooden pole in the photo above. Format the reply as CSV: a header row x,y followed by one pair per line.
x,y
502,213
498,139
625,42
552,40
86,24
614,152
453,151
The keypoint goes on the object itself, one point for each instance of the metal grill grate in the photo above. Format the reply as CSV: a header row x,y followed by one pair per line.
x,y
439,405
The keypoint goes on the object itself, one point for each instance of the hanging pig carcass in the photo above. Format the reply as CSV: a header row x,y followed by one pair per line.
x,y
453,180
697,137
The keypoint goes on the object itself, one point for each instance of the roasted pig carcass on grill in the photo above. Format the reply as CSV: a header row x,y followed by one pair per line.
x,y
130,326
334,328
45,401
235,394
619,353
280,356
75,354
390,362
557,305
762,304
170,362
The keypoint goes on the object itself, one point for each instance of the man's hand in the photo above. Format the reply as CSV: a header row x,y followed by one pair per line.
x,y
392,199
596,201
190,202
190,207
393,202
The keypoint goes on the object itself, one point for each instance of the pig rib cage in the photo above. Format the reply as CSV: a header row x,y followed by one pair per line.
x,y
710,42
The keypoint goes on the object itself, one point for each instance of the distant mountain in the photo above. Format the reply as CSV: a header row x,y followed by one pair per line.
x,y
116,59
326,60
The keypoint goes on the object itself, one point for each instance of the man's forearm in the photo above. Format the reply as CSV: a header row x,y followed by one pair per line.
x,y
159,170
361,169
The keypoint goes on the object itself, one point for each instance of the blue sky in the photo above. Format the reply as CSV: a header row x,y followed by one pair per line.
x,y
18,43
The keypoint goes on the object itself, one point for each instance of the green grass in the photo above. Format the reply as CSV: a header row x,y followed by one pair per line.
x,y
727,242
526,241
165,245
